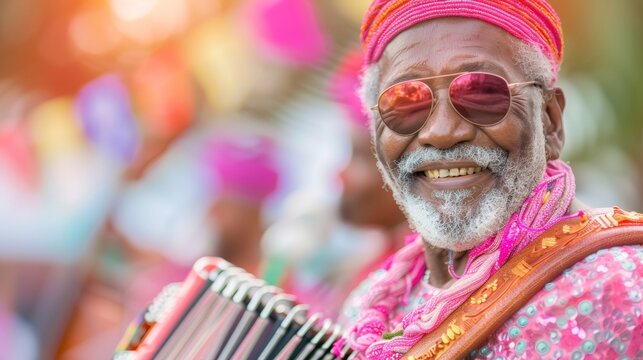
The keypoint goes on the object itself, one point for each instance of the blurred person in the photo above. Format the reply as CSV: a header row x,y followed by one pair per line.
x,y
467,129
242,166
205,197
364,202
323,279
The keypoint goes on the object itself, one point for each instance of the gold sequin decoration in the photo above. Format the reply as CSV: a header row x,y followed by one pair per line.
x,y
484,293
549,242
521,269
444,341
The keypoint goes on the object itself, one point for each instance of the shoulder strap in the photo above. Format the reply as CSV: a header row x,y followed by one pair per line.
x,y
557,249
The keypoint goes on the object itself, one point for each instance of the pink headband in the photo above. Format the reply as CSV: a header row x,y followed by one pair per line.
x,y
532,21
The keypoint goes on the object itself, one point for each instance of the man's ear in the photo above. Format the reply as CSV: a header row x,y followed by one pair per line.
x,y
553,123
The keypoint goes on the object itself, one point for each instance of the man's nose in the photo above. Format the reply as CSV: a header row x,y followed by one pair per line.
x,y
445,127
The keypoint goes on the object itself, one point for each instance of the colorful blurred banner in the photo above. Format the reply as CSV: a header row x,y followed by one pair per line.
x,y
54,129
163,93
288,30
106,116
16,154
222,63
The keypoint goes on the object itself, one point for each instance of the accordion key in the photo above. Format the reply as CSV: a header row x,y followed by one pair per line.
x,y
221,312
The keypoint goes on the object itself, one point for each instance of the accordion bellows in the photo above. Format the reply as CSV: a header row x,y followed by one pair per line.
x,y
222,312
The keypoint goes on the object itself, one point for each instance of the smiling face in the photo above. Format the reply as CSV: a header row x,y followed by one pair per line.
x,y
459,183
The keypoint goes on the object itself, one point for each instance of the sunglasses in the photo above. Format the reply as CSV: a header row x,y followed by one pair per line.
x,y
481,98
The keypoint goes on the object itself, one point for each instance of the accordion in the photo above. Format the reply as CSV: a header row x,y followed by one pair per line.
x,y
222,312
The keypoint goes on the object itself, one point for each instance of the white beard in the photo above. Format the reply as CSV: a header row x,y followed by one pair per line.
x,y
459,227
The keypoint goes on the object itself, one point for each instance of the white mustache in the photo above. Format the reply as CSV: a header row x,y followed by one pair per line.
x,y
494,159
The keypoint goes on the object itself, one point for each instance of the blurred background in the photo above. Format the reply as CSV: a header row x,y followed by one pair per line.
x,y
128,128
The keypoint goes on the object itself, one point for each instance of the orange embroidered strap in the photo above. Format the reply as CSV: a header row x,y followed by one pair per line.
x,y
522,277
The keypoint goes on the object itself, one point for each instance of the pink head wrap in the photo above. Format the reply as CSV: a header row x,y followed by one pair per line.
x,y
344,85
532,21
245,166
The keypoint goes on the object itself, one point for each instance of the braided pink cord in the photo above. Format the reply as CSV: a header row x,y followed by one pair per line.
x,y
538,212
386,294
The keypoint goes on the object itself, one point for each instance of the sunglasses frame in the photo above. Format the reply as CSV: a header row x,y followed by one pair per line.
x,y
434,99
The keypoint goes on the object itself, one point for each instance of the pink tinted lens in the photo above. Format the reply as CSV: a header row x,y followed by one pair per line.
x,y
483,99
405,107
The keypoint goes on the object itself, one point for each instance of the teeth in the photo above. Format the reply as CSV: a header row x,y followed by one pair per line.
x,y
453,172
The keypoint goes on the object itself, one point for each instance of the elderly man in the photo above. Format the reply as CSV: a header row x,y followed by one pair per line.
x,y
467,129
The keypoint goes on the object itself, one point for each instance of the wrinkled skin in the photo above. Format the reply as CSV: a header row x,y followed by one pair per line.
x,y
451,45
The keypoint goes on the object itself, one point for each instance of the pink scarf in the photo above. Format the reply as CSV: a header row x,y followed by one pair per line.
x,y
546,205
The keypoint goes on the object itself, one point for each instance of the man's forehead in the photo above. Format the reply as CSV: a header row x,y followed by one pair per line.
x,y
447,45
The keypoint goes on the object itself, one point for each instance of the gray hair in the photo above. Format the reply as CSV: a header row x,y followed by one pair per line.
x,y
532,61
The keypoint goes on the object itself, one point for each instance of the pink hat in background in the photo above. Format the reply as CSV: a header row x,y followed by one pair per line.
x,y
288,30
344,85
245,166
